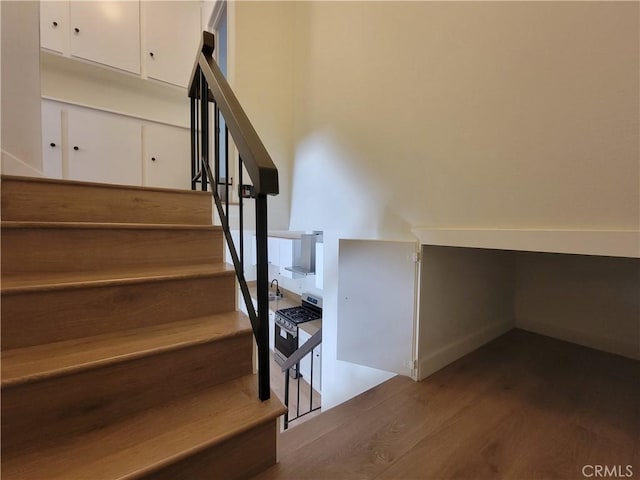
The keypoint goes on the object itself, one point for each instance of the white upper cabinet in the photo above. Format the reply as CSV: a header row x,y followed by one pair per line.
x,y
54,26
171,38
106,32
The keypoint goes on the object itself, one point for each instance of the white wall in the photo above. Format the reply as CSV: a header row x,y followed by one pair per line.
x,y
461,114
593,301
21,125
502,114
260,72
84,84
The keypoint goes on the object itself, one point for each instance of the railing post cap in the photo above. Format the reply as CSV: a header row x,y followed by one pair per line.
x,y
208,43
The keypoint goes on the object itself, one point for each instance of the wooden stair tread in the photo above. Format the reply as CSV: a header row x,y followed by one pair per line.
x,y
22,365
149,441
106,225
57,181
16,283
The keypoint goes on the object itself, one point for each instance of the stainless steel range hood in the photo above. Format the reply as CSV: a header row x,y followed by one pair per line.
x,y
304,255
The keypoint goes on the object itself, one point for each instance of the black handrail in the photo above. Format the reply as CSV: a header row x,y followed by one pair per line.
x,y
259,165
208,85
303,350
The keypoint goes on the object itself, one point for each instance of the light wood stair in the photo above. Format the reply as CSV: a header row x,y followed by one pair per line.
x,y
123,355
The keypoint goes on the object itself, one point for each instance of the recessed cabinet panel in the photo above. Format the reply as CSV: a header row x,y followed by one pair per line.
x,y
54,25
107,32
51,140
104,148
169,57
166,157
376,304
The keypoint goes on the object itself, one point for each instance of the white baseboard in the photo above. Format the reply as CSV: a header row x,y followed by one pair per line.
x,y
461,347
628,347
12,165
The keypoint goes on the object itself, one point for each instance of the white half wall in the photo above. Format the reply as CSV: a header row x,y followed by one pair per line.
x,y
21,123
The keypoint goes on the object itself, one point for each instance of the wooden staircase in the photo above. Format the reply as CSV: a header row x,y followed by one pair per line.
x,y
123,355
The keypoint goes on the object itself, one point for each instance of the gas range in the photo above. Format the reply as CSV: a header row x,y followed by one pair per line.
x,y
311,309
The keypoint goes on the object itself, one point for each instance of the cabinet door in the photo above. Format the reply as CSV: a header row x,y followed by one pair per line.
x,y
104,148
51,140
286,257
166,160
172,36
376,304
54,25
107,32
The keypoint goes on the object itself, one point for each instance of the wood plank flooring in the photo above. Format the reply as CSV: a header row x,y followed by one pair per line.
x,y
522,407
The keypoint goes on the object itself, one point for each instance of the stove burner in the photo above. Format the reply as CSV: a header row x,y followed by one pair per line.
x,y
298,314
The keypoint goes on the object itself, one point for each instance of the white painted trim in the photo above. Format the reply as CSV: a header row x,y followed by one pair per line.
x,y
216,14
629,348
115,112
610,243
12,165
459,348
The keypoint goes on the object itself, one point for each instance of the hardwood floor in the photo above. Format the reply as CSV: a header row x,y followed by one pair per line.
x,y
522,407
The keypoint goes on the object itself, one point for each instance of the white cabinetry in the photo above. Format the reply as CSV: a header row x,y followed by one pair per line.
x,y
165,157
164,34
286,256
92,145
106,32
305,363
54,26
169,57
104,148
52,140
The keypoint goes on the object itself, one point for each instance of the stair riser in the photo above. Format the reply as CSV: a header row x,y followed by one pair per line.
x,y
24,200
55,250
238,458
40,412
46,316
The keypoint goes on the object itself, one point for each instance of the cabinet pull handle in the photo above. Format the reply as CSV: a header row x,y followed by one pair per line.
x,y
151,54
55,24
77,30
76,148
153,159
52,145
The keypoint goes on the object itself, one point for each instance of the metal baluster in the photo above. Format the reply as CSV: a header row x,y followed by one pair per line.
x,y
240,211
204,109
216,137
311,384
226,170
262,282
286,398
197,133
194,134
299,375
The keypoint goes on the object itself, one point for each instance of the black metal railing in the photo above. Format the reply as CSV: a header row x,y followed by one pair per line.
x,y
209,90
293,362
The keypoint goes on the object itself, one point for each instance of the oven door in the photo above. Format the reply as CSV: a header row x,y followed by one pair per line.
x,y
285,342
